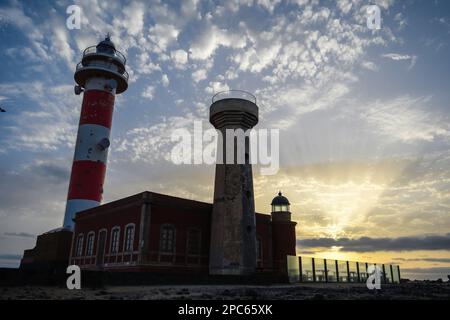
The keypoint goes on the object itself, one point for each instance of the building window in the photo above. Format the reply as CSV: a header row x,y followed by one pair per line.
x,y
258,249
280,208
193,242
129,238
90,244
167,239
101,247
79,247
115,240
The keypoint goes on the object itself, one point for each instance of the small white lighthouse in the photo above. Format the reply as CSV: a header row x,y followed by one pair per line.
x,y
100,75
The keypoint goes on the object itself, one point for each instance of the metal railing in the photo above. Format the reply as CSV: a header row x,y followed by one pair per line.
x,y
239,94
115,54
309,269
104,66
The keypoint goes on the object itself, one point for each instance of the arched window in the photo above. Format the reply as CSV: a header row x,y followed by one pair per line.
x,y
90,244
167,239
115,232
193,242
129,238
79,247
101,246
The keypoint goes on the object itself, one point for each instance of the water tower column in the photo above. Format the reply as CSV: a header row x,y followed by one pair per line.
x,y
233,226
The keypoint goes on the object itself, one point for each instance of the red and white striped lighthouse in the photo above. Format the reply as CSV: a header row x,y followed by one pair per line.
x,y
101,75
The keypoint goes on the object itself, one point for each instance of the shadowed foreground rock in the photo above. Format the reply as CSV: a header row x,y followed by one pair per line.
x,y
411,290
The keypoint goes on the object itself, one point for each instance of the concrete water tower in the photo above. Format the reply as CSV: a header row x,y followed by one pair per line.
x,y
233,234
100,76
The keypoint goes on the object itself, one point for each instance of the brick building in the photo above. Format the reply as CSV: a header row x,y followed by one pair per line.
x,y
160,233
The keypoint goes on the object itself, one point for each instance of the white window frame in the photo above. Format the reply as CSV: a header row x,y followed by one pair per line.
x,y
79,245
105,247
174,240
125,249
111,252
91,253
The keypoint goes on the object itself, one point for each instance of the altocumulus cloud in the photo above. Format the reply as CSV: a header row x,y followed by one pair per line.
x,y
440,260
19,234
364,244
10,257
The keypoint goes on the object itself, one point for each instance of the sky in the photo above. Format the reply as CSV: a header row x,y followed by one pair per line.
x,y
363,115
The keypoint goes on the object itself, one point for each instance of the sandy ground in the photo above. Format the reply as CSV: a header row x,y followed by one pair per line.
x,y
412,290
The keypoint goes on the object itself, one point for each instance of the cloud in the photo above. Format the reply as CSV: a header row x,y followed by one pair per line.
x,y
60,45
441,260
216,86
256,60
199,75
151,144
427,270
369,66
366,244
20,234
10,257
212,37
297,101
49,124
425,273
133,18
165,80
405,118
345,5
189,9
400,57
50,170
163,35
145,65
269,5
346,198
396,56
179,58
401,20
15,15
149,92
43,209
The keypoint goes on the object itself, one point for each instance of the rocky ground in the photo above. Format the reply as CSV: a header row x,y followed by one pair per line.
x,y
411,290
